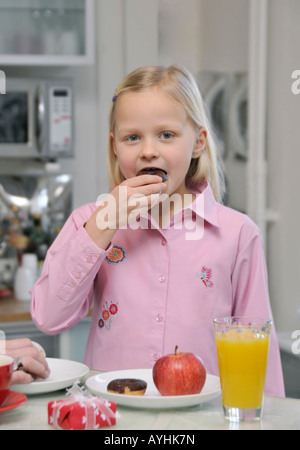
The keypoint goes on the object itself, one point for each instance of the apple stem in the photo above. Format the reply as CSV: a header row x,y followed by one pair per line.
x,y
176,349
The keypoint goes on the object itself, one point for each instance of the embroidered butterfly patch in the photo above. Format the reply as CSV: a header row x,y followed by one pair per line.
x,y
205,276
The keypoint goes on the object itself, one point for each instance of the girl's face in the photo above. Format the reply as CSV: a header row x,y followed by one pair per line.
x,y
153,130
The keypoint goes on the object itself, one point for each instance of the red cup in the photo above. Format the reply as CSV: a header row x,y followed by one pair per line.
x,y
6,371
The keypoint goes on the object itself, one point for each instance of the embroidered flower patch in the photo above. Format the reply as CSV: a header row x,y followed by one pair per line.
x,y
116,255
108,314
205,276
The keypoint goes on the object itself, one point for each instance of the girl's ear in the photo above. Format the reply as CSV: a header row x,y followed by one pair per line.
x,y
200,142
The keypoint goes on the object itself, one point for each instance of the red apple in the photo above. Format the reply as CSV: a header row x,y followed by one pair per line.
x,y
179,374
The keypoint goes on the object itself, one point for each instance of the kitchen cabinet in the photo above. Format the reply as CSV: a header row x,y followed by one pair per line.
x,y
72,343
291,373
289,353
46,32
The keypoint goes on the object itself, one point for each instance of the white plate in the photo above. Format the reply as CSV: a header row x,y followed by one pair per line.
x,y
152,398
63,373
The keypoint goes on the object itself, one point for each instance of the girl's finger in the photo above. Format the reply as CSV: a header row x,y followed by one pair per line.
x,y
142,180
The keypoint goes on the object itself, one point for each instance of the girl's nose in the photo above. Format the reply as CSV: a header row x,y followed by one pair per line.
x,y
149,149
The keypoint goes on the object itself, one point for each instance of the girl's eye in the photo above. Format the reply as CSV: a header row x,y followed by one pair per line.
x,y
167,135
132,138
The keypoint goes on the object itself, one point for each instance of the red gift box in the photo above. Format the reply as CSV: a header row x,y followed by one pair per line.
x,y
82,412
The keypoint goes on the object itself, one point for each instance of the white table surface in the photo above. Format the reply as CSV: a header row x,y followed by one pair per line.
x,y
278,414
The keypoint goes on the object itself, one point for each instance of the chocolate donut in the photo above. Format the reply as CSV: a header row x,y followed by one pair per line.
x,y
155,171
127,386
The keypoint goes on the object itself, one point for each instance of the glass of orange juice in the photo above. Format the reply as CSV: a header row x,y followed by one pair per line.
x,y
242,349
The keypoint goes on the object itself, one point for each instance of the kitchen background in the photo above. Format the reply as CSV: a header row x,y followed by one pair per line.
x,y
242,53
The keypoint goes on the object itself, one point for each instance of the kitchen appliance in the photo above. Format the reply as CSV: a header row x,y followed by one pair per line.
x,y
33,208
226,99
214,89
37,119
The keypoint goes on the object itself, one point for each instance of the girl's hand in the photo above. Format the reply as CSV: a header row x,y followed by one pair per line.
x,y
33,361
136,194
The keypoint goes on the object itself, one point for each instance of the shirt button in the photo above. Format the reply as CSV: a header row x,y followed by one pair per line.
x,y
155,357
90,259
77,275
159,318
163,242
162,278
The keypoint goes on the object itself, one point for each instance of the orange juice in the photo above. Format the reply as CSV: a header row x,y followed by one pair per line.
x,y
242,357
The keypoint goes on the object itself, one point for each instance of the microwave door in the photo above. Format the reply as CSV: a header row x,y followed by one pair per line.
x,y
17,138
36,119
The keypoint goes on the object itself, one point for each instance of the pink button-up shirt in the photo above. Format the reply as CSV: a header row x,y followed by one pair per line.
x,y
153,288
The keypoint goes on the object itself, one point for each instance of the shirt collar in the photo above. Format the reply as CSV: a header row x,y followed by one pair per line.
x,y
205,204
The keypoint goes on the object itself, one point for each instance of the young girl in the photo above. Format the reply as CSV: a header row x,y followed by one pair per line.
x,y
153,285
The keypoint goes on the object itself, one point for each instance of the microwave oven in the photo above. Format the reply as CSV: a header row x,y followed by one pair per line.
x,y
37,119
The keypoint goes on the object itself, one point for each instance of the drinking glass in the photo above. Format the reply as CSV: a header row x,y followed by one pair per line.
x,y
242,349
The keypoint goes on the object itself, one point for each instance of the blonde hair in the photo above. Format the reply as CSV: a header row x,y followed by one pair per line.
x,y
181,86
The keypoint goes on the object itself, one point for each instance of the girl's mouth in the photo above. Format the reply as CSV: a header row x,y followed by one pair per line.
x,y
154,171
